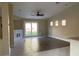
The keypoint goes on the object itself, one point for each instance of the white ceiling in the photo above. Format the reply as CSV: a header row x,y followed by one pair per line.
x,y
25,9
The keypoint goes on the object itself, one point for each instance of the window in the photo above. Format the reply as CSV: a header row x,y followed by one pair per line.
x,y
64,22
51,23
56,23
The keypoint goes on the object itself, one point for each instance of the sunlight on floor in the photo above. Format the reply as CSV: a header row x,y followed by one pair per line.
x,y
35,44
31,46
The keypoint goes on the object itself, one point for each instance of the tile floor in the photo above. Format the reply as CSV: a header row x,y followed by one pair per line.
x,y
39,46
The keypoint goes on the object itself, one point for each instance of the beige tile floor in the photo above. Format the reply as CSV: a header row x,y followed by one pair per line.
x,y
36,46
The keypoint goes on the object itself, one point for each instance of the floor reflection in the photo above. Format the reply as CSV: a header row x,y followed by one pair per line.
x,y
35,44
31,46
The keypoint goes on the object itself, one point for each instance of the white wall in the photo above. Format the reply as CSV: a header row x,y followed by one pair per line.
x,y
72,28
74,48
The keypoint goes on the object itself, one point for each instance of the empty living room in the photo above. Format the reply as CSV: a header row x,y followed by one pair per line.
x,y
39,29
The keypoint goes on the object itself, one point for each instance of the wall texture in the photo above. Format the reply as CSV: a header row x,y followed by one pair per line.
x,y
72,28
5,29
0,28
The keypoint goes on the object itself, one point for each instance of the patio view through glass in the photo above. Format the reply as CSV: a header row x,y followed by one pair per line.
x,y
31,29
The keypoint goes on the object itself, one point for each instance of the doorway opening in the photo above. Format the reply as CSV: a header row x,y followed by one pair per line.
x,y
31,29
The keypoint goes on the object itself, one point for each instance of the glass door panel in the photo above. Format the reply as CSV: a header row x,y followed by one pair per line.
x,y
31,29
34,29
27,29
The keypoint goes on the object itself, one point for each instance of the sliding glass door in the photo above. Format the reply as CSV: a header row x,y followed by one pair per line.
x,y
34,29
27,29
31,29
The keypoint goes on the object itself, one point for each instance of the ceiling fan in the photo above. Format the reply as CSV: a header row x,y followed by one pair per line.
x,y
57,2
37,13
